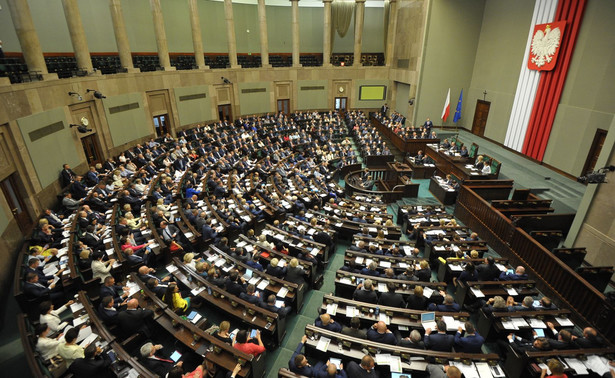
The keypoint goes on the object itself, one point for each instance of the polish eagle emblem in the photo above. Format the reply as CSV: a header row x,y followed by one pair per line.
x,y
545,46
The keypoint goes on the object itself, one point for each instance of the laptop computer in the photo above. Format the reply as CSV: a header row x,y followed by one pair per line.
x,y
428,320
248,274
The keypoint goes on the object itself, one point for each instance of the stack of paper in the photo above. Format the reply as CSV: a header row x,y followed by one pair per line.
x,y
352,311
282,292
332,309
323,343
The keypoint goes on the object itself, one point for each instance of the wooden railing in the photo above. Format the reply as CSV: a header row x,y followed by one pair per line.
x,y
554,278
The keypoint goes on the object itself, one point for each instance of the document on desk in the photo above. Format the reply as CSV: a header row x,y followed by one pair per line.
x,y
519,322
512,292
483,370
282,292
457,268
262,285
501,267
385,264
254,280
577,366
382,287
323,343
469,371
384,318
509,325
537,323
418,364
346,281
359,260
332,309
407,250
351,311
427,292
76,307
197,291
564,322
133,288
597,364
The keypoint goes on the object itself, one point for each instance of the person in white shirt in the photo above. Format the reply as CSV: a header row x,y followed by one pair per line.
x,y
46,346
100,268
487,167
51,317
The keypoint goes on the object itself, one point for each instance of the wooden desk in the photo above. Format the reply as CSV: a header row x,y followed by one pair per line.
x,y
453,164
421,171
445,196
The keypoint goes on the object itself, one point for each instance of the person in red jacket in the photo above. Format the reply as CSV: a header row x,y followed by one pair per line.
x,y
242,343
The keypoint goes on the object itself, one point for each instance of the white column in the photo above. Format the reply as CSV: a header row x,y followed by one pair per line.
x,y
77,35
388,55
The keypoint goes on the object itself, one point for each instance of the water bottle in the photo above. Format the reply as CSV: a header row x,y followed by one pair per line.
x,y
377,312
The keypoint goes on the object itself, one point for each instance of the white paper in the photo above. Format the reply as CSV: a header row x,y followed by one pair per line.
x,y
564,322
577,366
323,343
282,292
537,323
75,307
427,292
512,292
332,309
262,285
483,370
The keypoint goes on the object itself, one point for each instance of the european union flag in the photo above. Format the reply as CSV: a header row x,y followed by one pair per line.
x,y
458,110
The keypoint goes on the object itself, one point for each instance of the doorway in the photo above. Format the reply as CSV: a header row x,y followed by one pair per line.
x,y
284,106
92,150
340,103
594,151
160,124
225,113
480,117
14,198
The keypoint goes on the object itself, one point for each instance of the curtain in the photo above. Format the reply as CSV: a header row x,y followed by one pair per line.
x,y
341,15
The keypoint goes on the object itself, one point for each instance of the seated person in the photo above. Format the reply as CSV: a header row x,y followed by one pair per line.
x,y
556,368
330,370
381,334
271,306
526,305
364,370
51,317
416,300
371,270
325,321
109,309
448,305
173,298
486,168
464,152
251,296
518,275
223,332
440,341
47,347
589,339
419,158
468,274
391,298
413,341
157,365
488,271
424,274
93,364
365,292
69,350
275,270
298,364
355,329
242,343
545,303
471,343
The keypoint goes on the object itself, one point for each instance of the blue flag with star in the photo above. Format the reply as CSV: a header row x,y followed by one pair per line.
x,y
458,110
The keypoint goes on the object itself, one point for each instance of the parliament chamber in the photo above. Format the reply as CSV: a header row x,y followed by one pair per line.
x,y
272,188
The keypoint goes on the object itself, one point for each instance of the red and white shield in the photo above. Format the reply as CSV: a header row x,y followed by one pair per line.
x,y
544,49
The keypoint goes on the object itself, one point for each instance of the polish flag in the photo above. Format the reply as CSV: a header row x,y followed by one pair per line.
x,y
447,106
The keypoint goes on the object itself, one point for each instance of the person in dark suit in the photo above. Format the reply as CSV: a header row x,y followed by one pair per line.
x,y
416,300
254,263
526,305
234,284
379,333
413,341
428,125
488,271
109,310
365,292
298,364
109,288
208,233
384,109
589,339
270,305
33,289
325,321
518,275
364,370
371,270
157,289
295,272
250,295
440,341
67,176
133,319
275,270
424,274
559,340
448,305
391,298
471,343
355,329
323,238
158,365
92,365
77,188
